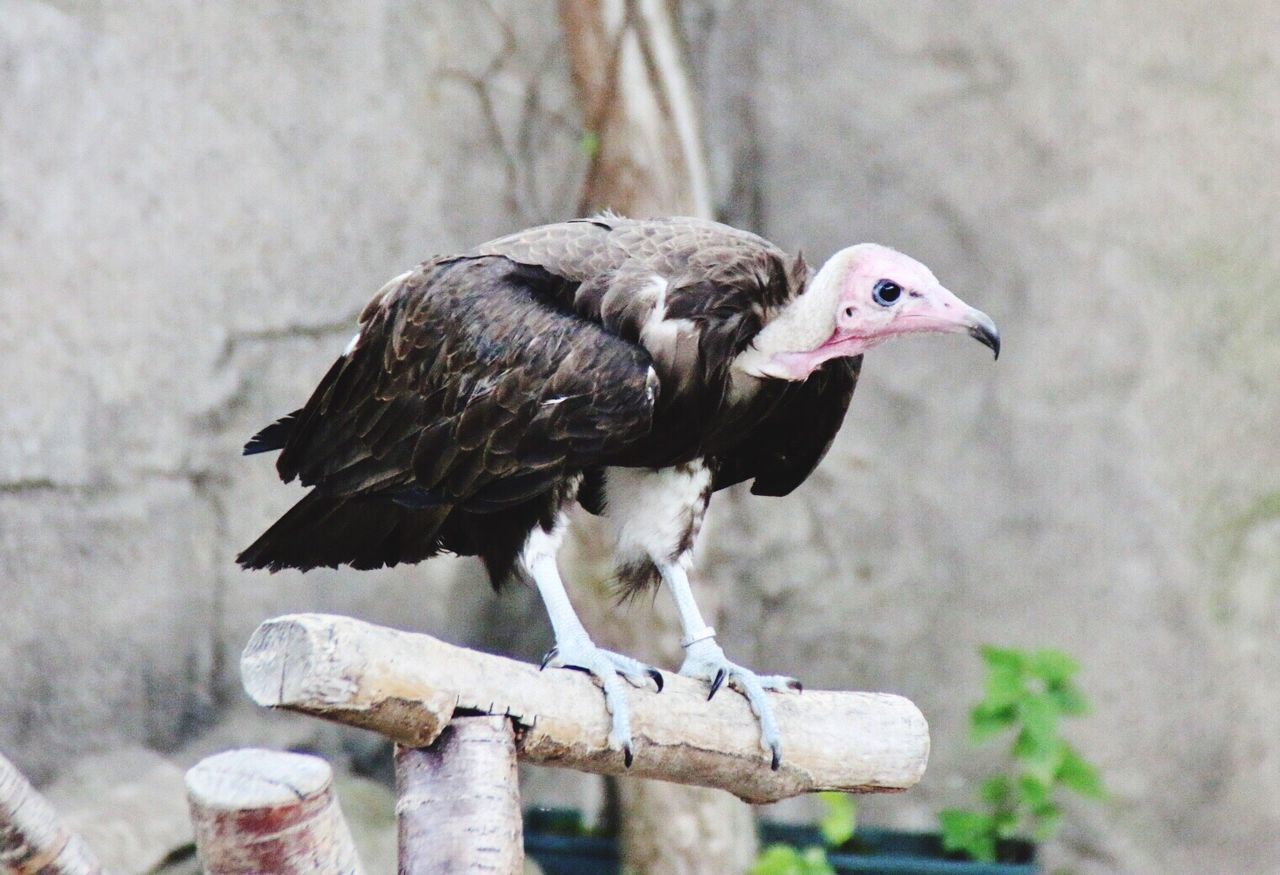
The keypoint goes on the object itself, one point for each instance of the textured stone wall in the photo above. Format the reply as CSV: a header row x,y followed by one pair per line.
x,y
1101,178
195,199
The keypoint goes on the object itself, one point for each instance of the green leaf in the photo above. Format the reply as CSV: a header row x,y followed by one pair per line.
x,y
1004,824
968,832
986,722
1003,657
1076,774
1068,699
1052,666
589,143
1039,756
1039,716
838,824
995,791
786,860
815,862
1048,819
1033,792
1005,681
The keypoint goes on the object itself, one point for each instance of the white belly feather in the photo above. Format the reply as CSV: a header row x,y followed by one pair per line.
x,y
656,514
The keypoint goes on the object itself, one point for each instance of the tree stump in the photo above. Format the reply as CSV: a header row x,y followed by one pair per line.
x,y
261,811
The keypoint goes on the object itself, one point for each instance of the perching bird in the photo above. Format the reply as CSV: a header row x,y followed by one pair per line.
x,y
632,366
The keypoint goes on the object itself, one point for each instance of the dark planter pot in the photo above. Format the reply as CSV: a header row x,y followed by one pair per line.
x,y
902,853
554,839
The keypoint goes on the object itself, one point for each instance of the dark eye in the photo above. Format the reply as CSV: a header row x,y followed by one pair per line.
x,y
886,292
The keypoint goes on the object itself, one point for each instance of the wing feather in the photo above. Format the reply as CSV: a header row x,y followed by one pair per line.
x,y
516,387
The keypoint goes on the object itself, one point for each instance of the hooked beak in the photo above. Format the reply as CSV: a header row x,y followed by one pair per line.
x,y
984,331
940,310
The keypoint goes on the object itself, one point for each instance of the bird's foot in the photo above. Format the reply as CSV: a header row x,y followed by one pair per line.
x,y
705,660
581,654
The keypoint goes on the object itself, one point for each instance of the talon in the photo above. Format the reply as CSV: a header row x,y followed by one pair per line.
x,y
657,678
626,755
715,684
776,762
547,657
796,685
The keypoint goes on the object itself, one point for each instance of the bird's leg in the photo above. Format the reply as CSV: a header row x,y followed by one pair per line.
x,y
574,647
705,660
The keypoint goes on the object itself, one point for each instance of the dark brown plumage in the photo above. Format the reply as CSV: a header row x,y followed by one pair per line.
x,y
486,388
632,366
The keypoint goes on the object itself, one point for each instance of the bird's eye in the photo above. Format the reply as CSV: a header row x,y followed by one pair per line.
x,y
886,293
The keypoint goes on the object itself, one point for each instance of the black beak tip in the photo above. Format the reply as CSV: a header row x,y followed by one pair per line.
x,y
988,337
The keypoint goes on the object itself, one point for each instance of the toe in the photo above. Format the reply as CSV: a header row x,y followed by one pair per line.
x,y
780,683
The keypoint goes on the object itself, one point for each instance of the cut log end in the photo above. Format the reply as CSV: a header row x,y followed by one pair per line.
x,y
265,811
252,778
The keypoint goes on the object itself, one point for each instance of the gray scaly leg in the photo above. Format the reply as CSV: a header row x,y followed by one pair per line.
x,y
706,661
574,647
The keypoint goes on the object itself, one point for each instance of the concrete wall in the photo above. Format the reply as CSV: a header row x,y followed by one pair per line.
x,y
195,199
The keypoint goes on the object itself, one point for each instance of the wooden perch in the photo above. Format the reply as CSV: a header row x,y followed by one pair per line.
x,y
266,811
408,686
458,801
33,840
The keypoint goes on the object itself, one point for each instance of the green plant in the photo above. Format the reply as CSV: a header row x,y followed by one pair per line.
x,y
837,826
1026,693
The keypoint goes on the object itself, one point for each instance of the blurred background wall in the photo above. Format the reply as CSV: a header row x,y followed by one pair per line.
x,y
196,200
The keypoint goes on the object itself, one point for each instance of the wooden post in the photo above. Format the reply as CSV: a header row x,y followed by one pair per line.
x,y
263,811
408,687
33,840
458,802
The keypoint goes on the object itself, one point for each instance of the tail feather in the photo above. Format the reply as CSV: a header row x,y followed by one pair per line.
x,y
274,436
324,531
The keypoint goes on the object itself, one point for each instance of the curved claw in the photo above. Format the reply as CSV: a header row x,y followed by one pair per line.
x,y
609,669
705,660
657,678
715,684
547,657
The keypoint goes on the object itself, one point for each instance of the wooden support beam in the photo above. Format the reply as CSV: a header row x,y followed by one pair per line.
x,y
409,686
458,801
267,811
33,840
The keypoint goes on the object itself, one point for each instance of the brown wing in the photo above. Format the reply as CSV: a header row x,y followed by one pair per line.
x,y
466,388
692,292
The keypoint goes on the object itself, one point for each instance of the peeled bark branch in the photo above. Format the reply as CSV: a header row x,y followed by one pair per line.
x,y
32,837
459,801
638,105
409,686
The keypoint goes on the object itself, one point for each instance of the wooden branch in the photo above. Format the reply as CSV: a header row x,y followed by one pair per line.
x,y
266,811
458,805
408,686
33,840
626,62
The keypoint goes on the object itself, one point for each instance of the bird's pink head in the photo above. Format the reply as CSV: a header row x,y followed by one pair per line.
x,y
863,296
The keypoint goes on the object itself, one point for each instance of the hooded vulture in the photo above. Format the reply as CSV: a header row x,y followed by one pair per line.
x,y
634,367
